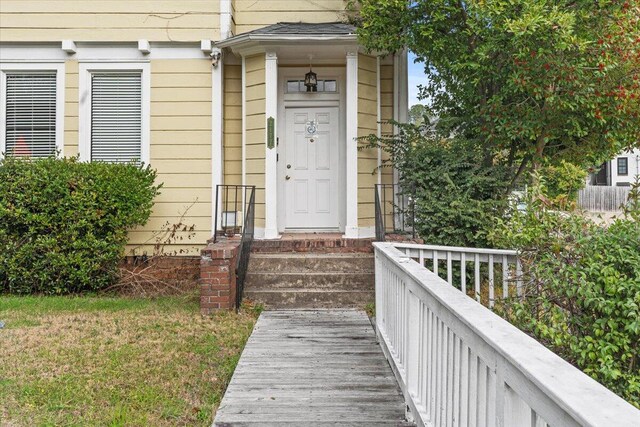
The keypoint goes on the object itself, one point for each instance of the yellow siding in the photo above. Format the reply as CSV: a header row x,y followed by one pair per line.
x,y
180,148
109,20
232,124
71,109
254,14
386,113
180,152
255,123
367,124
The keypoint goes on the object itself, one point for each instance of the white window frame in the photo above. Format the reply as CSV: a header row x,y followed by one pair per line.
x,y
59,68
84,102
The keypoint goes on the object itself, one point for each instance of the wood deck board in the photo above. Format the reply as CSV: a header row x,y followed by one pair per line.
x,y
312,368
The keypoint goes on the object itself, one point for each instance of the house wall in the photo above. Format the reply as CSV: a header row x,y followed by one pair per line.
x,y
386,114
633,161
255,128
252,14
181,149
109,20
367,124
233,124
71,109
180,122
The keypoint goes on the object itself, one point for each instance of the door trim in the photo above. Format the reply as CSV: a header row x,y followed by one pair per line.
x,y
303,100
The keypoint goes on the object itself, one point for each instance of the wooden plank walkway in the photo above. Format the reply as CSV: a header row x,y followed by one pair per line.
x,y
312,368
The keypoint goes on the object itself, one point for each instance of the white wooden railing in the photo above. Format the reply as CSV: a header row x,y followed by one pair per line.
x,y
459,364
462,260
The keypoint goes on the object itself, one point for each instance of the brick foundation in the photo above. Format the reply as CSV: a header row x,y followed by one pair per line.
x,y
218,276
165,275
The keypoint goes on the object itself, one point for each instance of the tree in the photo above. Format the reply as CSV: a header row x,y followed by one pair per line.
x,y
532,82
417,113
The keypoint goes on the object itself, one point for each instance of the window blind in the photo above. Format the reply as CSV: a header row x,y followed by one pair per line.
x,y
30,114
116,117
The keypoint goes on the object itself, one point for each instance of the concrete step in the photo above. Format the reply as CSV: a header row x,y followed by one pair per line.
x,y
319,244
324,281
310,298
311,263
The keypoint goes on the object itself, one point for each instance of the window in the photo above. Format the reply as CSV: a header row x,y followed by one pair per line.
x,y
294,86
114,123
32,109
116,117
623,166
602,176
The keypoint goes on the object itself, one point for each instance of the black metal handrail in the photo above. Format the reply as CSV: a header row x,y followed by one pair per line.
x,y
244,251
394,211
235,203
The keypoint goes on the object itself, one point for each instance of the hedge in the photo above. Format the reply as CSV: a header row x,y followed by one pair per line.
x,y
64,223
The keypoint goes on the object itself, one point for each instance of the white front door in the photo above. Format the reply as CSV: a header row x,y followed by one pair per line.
x,y
311,172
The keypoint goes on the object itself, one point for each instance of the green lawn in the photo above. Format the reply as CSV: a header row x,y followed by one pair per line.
x,y
115,361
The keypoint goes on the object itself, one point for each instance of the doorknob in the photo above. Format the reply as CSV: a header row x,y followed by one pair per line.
x,y
287,177
288,166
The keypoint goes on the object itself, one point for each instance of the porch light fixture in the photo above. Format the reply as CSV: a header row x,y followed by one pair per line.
x,y
311,79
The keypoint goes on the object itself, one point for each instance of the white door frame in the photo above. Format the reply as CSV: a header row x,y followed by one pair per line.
x,y
310,100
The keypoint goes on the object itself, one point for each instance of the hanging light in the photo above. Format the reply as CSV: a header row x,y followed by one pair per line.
x,y
311,79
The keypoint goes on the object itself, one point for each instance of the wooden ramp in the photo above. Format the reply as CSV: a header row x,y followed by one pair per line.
x,y
312,368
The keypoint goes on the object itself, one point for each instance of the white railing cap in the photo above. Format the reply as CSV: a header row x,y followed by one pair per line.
x,y
439,248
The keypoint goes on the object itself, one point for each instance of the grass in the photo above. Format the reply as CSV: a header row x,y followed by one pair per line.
x,y
115,361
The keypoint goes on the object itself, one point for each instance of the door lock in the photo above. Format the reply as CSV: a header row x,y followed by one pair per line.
x,y
288,166
287,177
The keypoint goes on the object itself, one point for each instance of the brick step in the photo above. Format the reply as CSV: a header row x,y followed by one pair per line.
x,y
310,263
315,245
324,281
310,298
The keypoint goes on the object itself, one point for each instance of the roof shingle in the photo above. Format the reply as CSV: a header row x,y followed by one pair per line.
x,y
303,28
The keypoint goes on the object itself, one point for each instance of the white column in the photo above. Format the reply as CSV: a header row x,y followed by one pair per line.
x,y
351,226
379,118
271,156
225,19
217,122
400,95
244,121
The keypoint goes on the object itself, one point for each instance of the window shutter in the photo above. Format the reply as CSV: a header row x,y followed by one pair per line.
x,y
31,114
116,117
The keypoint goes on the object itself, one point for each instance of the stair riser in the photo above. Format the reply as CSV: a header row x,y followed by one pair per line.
x,y
307,300
337,282
313,246
311,265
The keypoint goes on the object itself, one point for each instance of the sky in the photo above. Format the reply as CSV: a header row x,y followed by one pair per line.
x,y
416,77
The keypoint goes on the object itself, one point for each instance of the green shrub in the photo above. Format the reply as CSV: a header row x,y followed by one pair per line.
x,y
457,194
564,180
64,223
582,297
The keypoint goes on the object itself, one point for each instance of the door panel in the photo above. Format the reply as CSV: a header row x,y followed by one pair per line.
x,y
311,192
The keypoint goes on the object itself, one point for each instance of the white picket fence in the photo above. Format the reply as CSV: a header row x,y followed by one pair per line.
x,y
459,364
603,199
457,259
